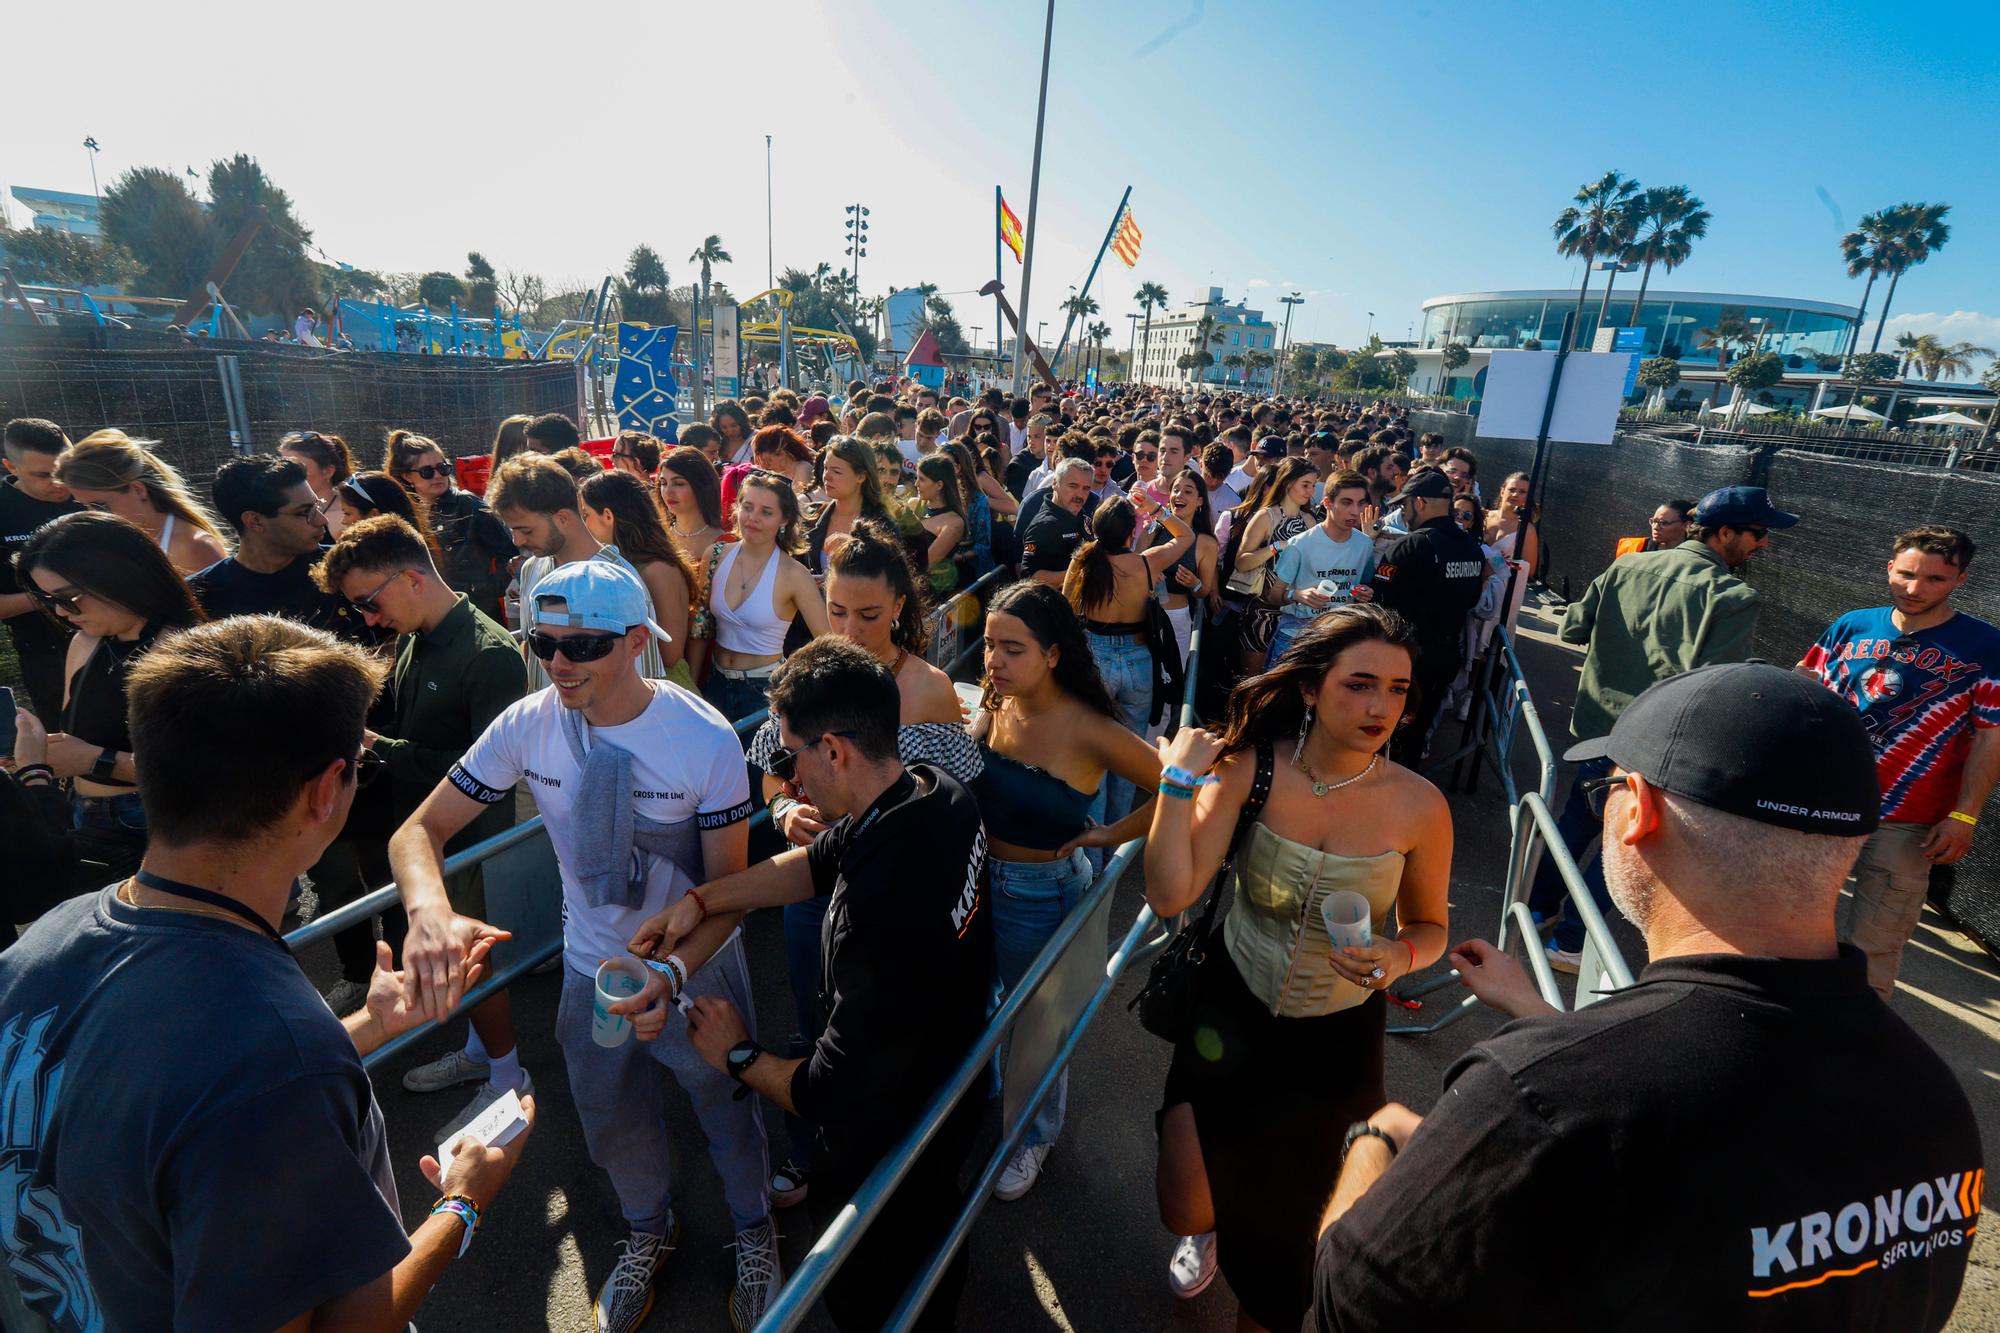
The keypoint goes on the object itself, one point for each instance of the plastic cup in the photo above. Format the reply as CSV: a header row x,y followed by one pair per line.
x,y
617,979
1348,918
969,696
1329,588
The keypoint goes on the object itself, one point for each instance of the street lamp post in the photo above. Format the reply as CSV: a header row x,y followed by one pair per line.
x,y
1371,329
1034,190
770,264
857,238
90,142
1285,352
1132,356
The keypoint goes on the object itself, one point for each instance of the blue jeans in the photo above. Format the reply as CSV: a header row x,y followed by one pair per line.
x,y
736,698
1577,827
1030,900
112,832
1289,627
802,965
1126,664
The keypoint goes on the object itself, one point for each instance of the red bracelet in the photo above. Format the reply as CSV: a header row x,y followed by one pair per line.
x,y
698,902
1413,955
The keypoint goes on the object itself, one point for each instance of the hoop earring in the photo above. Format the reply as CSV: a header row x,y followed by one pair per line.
x,y
1305,727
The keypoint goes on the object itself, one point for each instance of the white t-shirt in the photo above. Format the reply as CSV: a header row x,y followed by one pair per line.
x,y
1312,557
686,764
908,449
1240,479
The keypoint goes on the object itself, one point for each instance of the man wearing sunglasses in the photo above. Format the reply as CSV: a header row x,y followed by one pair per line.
x,y
908,963
1645,618
30,496
280,532
1925,677
642,788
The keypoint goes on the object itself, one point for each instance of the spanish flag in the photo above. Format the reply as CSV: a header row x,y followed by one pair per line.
x,y
1010,229
1125,244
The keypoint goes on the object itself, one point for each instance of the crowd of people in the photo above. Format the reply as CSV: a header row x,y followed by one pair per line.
x,y
655,640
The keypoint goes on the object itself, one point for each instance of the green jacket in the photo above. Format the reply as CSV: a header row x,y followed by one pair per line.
x,y
450,685
1651,616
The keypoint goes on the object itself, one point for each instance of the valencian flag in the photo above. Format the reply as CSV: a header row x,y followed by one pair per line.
x,y
1125,243
1010,229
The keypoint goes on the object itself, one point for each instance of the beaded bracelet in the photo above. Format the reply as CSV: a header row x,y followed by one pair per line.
x,y
466,1211
42,771
698,902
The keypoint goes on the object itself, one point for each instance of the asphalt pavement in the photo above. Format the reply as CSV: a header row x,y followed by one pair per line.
x,y
1085,1249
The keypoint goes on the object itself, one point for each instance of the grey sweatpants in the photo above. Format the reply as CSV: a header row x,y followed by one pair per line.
x,y
621,1097
1892,877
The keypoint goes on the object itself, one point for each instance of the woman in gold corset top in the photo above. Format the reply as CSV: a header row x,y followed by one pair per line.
x,y
1286,1047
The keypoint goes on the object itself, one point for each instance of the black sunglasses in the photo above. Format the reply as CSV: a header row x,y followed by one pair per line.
x,y
1147,456
784,763
1597,790
1759,533
576,647
71,602
430,471
367,767
368,603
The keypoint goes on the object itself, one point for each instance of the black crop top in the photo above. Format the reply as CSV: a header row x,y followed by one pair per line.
x,y
96,708
1028,806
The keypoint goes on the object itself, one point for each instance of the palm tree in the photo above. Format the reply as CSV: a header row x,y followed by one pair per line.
x,y
1867,249
1921,230
1078,307
1906,348
1956,359
1258,362
1596,224
1669,221
1207,330
1097,333
1149,295
707,254
1234,361
1729,332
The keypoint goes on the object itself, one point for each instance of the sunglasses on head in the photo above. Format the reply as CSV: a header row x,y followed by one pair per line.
x,y
576,647
784,763
430,471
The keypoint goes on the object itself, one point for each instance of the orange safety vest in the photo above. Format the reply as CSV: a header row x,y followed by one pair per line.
x,y
1629,546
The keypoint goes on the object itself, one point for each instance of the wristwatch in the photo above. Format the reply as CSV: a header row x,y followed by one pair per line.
x,y
105,766
741,1056
1361,1129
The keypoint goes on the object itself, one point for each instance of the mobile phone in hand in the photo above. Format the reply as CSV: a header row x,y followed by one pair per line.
x,y
7,708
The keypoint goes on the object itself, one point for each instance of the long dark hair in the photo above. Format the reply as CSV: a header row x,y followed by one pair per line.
x,y
789,514
510,439
691,465
640,533
732,409
403,448
1054,624
943,469
110,557
860,460
1092,579
1271,707
384,493
1204,511
326,450
872,550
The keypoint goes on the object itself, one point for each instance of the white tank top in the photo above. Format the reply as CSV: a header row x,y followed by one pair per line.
x,y
753,628
167,534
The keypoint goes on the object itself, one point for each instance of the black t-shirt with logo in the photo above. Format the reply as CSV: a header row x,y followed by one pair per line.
x,y
230,588
1733,1143
20,515
1050,539
1432,578
907,960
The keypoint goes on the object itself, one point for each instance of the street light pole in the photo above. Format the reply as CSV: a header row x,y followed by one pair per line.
x,y
1034,190
1132,356
770,264
1371,329
1290,301
90,142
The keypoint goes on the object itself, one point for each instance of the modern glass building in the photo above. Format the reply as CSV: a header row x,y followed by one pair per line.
x,y
1810,335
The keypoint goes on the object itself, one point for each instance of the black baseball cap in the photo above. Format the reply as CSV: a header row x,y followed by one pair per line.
x,y
1271,446
1425,484
1741,507
1750,739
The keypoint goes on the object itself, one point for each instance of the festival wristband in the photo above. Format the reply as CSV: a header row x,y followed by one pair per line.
x,y
466,1211
1181,777
780,806
1968,820
1179,793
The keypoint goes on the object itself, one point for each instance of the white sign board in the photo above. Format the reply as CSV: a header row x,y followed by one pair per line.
x,y
1587,401
728,354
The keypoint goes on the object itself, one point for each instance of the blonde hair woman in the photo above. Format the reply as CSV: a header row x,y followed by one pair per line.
x,y
110,471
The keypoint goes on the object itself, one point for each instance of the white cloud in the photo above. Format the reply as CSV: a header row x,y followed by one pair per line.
x,y
1971,326
1255,283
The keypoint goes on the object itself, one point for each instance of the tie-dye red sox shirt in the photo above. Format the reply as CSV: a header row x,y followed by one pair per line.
x,y
1921,695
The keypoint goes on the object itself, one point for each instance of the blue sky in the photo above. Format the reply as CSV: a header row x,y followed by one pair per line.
x,y
1368,155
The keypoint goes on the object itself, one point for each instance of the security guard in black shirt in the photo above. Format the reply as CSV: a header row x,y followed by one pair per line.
x,y
1432,578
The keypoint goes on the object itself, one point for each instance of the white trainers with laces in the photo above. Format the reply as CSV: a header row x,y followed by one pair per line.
x,y
626,1297
1022,1172
447,1071
757,1276
1193,1266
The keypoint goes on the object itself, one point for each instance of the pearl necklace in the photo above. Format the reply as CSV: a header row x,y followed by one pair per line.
x,y
1323,788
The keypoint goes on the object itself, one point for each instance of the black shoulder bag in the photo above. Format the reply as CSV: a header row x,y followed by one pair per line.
x,y
1166,1003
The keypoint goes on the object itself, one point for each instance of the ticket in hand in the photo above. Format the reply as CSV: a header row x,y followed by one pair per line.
x,y
494,1127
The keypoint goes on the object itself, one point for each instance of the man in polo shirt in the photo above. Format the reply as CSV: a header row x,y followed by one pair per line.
x,y
1055,530
909,955
1756,1141
1645,618
456,670
1925,677
643,792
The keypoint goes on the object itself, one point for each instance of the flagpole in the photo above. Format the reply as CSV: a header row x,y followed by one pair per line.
x,y
999,324
1109,232
1034,198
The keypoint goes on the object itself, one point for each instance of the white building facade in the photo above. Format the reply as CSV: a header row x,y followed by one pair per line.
x,y
1242,332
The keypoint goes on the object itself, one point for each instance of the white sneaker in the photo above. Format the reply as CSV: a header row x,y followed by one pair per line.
x,y
626,1297
1563,960
488,1094
447,1071
345,997
1193,1266
757,1276
1022,1172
